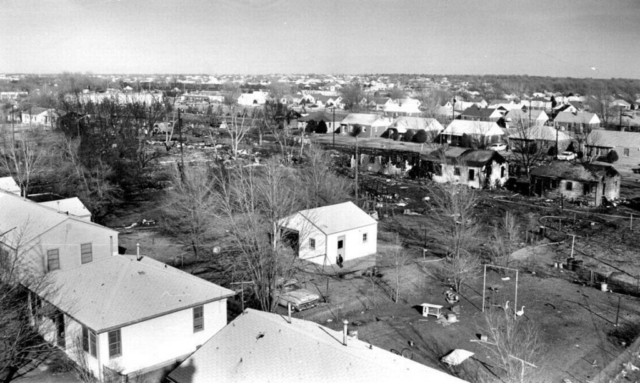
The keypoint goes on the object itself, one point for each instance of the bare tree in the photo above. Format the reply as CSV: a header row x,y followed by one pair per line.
x,y
453,229
237,128
248,206
322,185
20,344
506,239
397,258
352,95
187,207
528,145
515,346
22,157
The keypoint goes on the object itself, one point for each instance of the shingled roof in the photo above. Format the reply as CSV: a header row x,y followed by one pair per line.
x,y
575,172
122,290
265,347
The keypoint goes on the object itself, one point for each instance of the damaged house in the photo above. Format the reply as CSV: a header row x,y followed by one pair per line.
x,y
587,184
474,168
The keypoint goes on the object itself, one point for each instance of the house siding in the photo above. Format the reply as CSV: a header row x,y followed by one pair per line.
x,y
67,238
144,345
354,247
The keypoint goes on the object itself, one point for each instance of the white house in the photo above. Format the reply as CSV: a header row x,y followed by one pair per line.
x,y
403,107
49,240
8,184
70,206
124,316
516,117
486,131
474,168
366,121
577,121
255,98
41,116
326,232
265,347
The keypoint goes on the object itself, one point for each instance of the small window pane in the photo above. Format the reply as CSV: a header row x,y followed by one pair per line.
x,y
198,319
312,243
115,348
53,259
89,341
569,186
364,237
86,253
456,171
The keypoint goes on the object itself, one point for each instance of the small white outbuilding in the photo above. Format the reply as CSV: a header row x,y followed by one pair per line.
x,y
326,232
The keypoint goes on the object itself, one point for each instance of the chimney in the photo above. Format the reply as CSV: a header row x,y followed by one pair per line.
x,y
111,244
138,256
344,332
289,310
58,203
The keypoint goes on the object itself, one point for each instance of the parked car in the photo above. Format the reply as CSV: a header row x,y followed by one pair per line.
x,y
567,156
498,147
292,292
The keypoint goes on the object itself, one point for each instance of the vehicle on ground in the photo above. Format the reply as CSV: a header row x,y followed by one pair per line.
x,y
567,156
498,147
292,292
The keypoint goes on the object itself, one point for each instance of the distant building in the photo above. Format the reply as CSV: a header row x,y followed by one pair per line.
x,y
588,184
474,168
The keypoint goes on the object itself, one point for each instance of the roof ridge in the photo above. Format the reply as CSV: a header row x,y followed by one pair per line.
x,y
334,336
181,274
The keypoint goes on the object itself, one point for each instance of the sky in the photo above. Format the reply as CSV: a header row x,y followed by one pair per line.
x,y
574,38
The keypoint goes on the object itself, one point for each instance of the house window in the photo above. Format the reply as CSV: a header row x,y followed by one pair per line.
x,y
198,318
456,171
472,174
364,237
503,170
89,342
53,259
115,344
568,186
626,152
86,254
586,189
312,243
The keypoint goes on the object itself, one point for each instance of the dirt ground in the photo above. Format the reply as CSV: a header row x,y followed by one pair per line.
x,y
577,321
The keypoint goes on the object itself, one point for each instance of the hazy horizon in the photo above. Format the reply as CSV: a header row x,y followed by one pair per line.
x,y
571,38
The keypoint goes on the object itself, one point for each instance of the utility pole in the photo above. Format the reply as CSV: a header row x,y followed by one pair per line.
x,y
333,126
181,146
554,125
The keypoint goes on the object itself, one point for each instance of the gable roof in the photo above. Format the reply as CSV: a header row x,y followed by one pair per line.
x,y
360,119
337,218
538,132
476,112
578,118
120,290
31,219
322,115
612,138
578,172
416,123
464,156
517,115
460,127
265,347
71,206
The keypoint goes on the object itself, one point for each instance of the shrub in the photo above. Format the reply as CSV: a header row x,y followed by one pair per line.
x,y
408,136
533,148
612,157
322,127
386,134
311,127
467,141
420,136
552,151
395,136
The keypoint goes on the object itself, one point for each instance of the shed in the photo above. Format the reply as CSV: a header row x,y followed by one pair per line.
x,y
324,233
